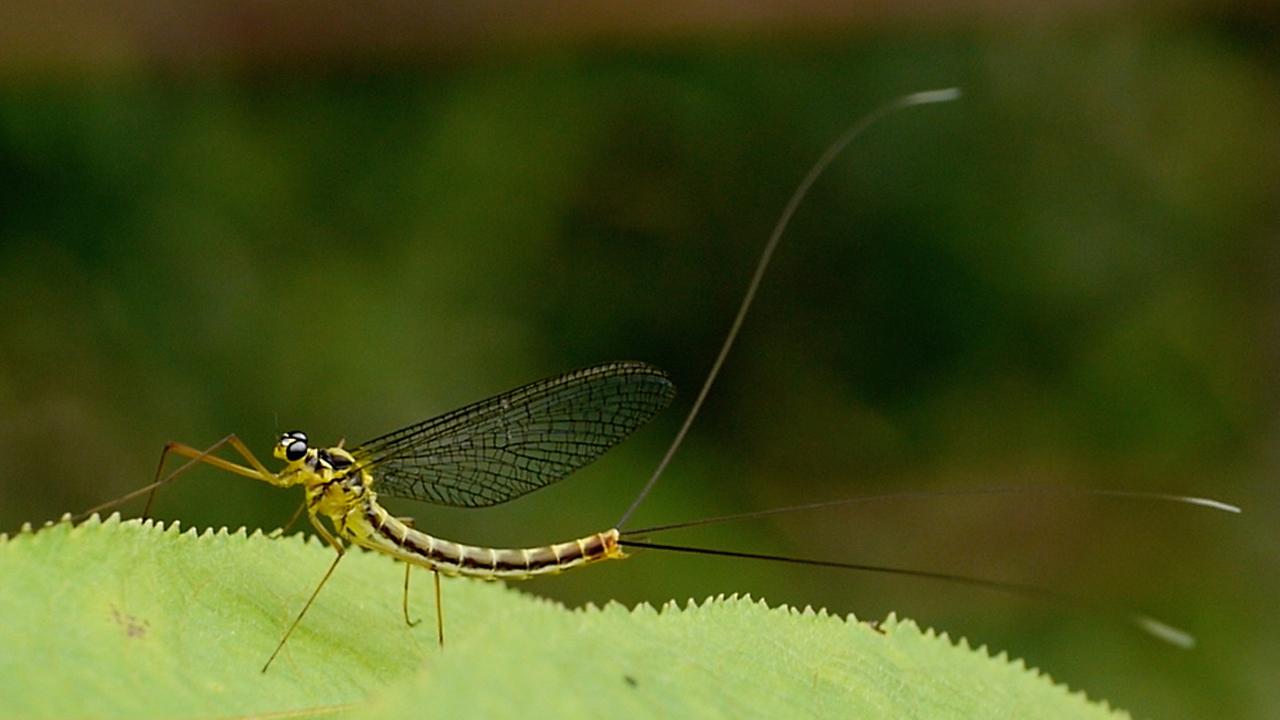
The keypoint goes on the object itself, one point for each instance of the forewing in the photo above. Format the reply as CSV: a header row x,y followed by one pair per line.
x,y
511,444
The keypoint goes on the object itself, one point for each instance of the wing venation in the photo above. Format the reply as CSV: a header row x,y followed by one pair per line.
x,y
511,444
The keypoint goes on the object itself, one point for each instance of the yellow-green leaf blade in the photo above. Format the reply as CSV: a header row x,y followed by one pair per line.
x,y
116,619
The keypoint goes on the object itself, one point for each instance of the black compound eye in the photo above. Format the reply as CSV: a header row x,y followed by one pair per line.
x,y
296,435
296,451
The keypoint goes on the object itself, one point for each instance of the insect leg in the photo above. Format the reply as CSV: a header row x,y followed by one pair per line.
x,y
408,567
337,546
257,472
411,623
439,609
439,604
195,456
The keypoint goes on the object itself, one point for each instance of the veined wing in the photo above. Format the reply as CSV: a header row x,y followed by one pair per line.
x,y
511,444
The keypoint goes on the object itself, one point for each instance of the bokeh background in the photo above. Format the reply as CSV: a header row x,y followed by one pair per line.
x,y
254,218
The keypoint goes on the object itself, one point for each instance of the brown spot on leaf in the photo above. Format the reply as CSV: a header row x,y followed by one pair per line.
x,y
132,625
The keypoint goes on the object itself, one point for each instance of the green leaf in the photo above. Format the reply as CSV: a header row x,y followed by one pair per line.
x,y
114,619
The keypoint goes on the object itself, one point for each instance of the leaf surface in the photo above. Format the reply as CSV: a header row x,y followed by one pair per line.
x,y
128,619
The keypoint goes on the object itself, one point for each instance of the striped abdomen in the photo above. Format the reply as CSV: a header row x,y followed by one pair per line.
x,y
388,534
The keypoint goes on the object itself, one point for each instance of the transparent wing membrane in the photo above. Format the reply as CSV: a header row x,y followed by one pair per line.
x,y
511,444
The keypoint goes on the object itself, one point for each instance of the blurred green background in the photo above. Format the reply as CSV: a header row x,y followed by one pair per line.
x,y
1067,278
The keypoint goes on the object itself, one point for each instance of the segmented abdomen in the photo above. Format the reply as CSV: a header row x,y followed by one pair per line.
x,y
390,535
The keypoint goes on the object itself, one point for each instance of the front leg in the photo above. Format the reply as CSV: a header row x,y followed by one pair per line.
x,y
256,471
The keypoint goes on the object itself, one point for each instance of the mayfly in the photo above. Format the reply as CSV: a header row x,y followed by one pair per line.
x,y
517,442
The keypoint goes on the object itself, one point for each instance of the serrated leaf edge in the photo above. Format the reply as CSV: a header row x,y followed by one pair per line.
x,y
892,623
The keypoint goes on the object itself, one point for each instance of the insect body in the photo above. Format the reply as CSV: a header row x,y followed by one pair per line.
x,y
342,492
483,454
